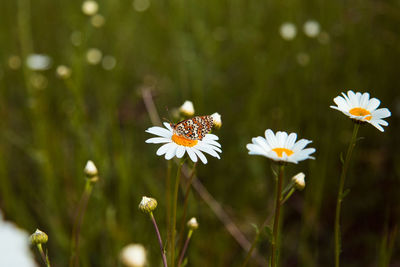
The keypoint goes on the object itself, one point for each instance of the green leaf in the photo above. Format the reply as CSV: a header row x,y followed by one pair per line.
x,y
341,158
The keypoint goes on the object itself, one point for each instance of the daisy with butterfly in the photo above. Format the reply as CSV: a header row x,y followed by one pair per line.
x,y
191,136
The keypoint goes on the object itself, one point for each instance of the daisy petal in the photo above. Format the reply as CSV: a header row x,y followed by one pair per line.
x,y
201,156
381,113
373,104
164,148
191,154
211,137
158,140
159,131
180,151
171,152
208,150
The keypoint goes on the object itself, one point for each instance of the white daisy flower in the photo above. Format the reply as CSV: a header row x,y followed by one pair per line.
x,y
175,145
14,246
361,108
281,147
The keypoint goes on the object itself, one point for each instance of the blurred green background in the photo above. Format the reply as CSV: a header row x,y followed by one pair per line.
x,y
227,57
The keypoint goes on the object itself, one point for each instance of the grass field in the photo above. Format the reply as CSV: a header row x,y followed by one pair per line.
x,y
227,57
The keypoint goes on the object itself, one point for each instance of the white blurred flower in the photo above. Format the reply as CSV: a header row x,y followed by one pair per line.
x,y
311,28
38,62
288,31
97,20
141,5
299,181
187,108
358,106
63,72
217,121
93,56
109,62
90,7
281,147
134,255
14,246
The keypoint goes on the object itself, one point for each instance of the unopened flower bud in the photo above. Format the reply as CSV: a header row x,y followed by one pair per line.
x,y
193,224
133,255
298,180
39,237
147,204
217,120
91,171
187,109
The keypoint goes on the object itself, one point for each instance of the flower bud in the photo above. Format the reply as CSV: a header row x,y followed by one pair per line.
x,y
39,237
90,169
298,180
217,120
187,109
133,255
147,204
193,224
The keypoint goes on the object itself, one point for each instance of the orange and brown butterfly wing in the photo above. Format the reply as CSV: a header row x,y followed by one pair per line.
x,y
195,128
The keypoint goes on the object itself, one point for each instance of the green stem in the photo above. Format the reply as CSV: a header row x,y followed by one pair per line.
x,y
185,247
288,195
175,203
164,258
168,200
250,252
74,260
185,204
275,232
340,193
44,256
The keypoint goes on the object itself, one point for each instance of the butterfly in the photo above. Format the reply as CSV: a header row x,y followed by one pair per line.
x,y
193,129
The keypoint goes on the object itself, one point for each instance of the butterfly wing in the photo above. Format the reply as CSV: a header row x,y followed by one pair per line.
x,y
195,128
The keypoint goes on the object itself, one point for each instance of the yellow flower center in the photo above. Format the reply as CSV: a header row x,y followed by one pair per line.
x,y
180,140
360,112
279,151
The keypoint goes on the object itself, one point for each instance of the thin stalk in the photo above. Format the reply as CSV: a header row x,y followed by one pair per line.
x,y
175,203
44,256
340,193
288,195
164,257
185,204
168,200
275,232
250,252
185,247
74,260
